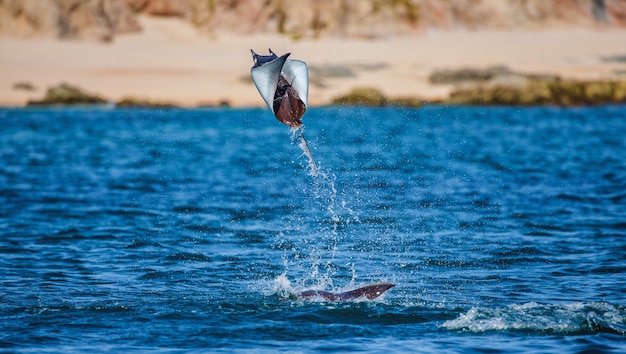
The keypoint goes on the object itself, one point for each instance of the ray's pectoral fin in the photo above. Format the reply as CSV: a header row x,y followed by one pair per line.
x,y
297,74
266,73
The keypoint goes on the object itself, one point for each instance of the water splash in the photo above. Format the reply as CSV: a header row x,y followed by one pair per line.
x,y
313,259
297,135
282,287
324,184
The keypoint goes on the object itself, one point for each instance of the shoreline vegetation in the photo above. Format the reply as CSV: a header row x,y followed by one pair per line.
x,y
496,86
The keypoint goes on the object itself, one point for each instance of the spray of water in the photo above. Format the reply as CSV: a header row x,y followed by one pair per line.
x,y
313,258
297,135
321,248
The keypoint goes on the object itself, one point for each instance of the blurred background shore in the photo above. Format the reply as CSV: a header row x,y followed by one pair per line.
x,y
196,52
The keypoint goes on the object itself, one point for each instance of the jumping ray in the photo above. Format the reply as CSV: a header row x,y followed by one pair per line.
x,y
284,86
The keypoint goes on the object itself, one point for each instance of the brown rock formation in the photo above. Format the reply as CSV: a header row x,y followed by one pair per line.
x,y
521,13
165,8
65,94
380,18
103,19
84,19
616,12
302,18
367,96
501,86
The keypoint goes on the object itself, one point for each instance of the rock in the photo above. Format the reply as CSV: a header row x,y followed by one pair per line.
x,y
65,94
24,86
302,18
381,19
362,97
544,92
163,8
409,102
500,95
103,19
447,76
66,19
502,86
372,97
575,93
223,103
134,102
616,12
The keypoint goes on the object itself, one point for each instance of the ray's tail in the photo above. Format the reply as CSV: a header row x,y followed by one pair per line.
x,y
298,134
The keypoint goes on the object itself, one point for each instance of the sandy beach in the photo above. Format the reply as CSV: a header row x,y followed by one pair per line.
x,y
170,61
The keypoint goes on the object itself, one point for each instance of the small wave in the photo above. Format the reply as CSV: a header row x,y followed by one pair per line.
x,y
576,318
188,209
187,256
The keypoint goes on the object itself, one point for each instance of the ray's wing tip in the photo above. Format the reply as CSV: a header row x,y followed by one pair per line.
x,y
254,57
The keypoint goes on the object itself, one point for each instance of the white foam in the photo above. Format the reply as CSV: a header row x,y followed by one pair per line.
x,y
532,316
282,286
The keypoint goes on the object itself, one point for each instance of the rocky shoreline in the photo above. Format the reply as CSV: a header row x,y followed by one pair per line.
x,y
171,63
502,86
474,87
69,95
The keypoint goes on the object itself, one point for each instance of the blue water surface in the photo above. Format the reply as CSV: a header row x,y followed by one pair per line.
x,y
192,230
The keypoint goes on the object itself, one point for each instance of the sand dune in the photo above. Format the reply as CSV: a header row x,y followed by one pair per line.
x,y
170,61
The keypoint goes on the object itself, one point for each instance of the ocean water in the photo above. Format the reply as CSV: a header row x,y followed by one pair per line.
x,y
504,230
